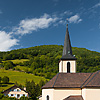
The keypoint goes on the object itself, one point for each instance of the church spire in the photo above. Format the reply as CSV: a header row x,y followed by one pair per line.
x,y
67,49
67,63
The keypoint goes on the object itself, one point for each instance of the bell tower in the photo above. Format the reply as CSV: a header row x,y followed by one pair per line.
x,y
67,63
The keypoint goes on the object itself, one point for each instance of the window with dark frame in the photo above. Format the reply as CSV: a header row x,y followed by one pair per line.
x,y
23,94
18,95
17,89
11,94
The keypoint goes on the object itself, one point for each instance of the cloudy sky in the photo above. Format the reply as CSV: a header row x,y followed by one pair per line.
x,y
29,23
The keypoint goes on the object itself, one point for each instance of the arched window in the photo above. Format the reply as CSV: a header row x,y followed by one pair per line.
x,y
47,97
68,67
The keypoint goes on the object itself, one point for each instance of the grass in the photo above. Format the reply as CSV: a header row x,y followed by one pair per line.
x,y
19,77
17,61
5,86
22,68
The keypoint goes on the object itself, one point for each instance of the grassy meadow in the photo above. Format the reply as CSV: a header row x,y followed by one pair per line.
x,y
19,77
17,61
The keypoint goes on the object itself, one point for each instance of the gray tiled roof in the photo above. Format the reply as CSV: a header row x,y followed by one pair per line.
x,y
67,49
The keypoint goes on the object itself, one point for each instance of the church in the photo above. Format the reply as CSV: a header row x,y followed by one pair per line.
x,y
69,85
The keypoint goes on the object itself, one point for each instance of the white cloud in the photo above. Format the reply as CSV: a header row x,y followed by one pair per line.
x,y
61,22
75,19
68,13
97,5
93,11
6,41
25,26
28,25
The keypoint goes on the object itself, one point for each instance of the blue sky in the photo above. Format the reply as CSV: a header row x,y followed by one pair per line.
x,y
29,23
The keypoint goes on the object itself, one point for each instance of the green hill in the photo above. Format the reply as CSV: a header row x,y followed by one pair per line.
x,y
19,77
43,60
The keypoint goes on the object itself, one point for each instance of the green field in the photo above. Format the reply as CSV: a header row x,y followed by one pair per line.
x,y
23,68
19,77
17,61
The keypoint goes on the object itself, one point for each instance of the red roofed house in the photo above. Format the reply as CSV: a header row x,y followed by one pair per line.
x,y
69,85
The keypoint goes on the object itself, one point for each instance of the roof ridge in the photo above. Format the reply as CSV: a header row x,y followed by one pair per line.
x,y
74,96
86,80
55,79
14,86
93,77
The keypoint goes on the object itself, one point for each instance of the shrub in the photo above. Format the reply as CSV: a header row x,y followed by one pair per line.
x,y
5,79
1,95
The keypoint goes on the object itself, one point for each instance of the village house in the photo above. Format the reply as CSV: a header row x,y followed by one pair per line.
x,y
16,92
69,85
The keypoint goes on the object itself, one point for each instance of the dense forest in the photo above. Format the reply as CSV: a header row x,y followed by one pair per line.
x,y
43,60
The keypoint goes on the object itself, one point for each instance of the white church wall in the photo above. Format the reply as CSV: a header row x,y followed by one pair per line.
x,y
60,67
48,92
91,93
59,94
84,93
63,66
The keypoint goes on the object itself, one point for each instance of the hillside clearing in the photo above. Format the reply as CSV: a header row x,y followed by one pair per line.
x,y
19,77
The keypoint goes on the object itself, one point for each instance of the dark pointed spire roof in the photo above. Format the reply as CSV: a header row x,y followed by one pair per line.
x,y
67,49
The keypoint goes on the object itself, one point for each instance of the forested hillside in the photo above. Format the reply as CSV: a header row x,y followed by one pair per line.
x,y
43,60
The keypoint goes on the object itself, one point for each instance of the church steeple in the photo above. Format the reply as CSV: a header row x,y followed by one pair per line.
x,y
67,63
67,49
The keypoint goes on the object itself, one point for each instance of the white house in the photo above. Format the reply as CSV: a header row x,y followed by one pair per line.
x,y
16,92
69,85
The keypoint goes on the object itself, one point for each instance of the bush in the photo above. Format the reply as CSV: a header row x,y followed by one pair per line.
x,y
13,68
18,69
1,95
5,79
7,65
24,98
0,79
